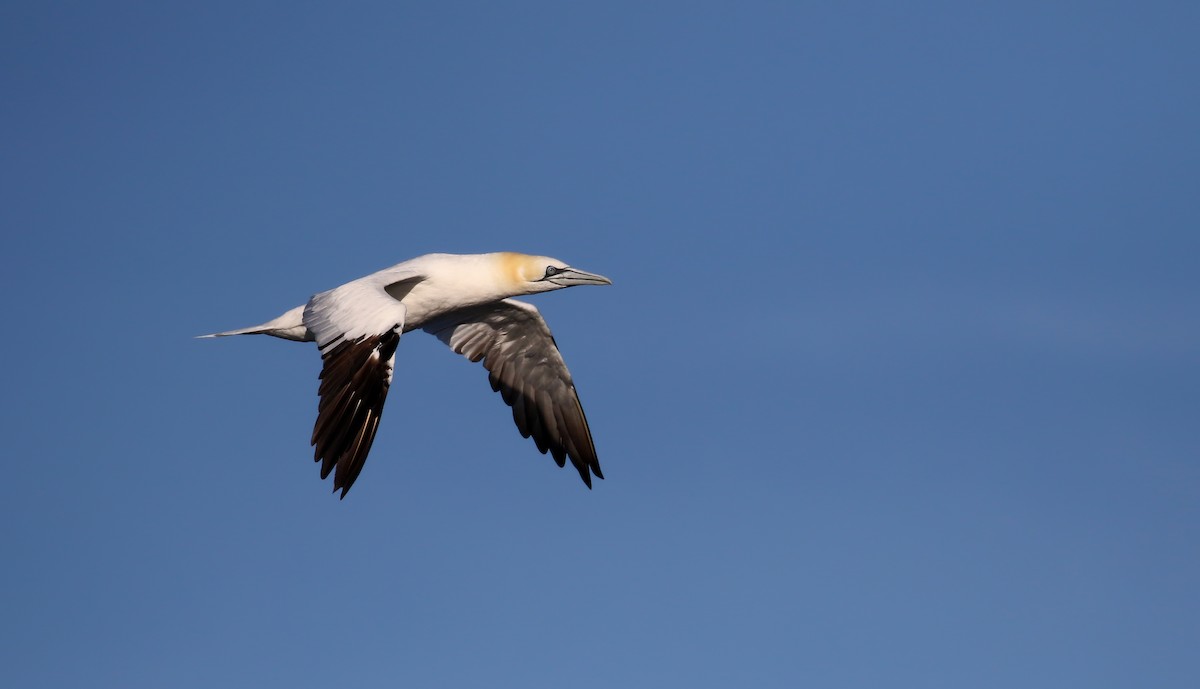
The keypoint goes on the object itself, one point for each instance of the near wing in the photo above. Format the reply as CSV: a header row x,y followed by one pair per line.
x,y
525,367
357,327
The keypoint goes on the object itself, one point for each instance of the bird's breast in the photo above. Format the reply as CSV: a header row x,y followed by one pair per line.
x,y
426,302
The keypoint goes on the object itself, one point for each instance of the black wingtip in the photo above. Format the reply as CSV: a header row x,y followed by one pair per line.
x,y
355,378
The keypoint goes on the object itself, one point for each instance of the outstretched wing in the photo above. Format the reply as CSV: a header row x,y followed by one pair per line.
x,y
357,327
526,368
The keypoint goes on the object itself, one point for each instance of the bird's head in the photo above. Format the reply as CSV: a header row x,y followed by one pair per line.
x,y
535,274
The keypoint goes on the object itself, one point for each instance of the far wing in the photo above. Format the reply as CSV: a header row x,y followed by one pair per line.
x,y
526,368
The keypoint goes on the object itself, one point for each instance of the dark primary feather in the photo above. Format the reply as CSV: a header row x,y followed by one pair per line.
x,y
526,368
354,385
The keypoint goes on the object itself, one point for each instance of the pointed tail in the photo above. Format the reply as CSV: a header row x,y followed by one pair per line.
x,y
289,326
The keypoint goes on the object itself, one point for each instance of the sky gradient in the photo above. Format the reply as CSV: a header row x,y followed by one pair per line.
x,y
897,384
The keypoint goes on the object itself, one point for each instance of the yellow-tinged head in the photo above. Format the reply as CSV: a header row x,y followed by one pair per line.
x,y
531,274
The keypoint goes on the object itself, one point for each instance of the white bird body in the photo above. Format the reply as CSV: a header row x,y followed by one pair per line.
x,y
464,301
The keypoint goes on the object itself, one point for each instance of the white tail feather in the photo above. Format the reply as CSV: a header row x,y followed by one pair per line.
x,y
289,326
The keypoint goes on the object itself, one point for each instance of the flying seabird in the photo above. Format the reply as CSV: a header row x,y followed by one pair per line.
x,y
464,301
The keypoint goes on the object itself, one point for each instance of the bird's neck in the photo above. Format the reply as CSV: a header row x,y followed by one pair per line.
x,y
460,282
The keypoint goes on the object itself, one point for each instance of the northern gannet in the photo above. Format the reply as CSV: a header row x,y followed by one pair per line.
x,y
463,300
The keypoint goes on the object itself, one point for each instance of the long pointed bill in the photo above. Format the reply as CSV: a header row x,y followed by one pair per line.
x,y
569,277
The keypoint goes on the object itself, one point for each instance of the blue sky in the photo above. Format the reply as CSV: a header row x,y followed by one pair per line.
x,y
897,384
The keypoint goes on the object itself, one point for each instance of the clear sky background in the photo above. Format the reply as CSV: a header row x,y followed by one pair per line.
x,y
898,384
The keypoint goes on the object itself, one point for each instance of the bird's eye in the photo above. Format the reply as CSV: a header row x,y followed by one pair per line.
x,y
551,271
